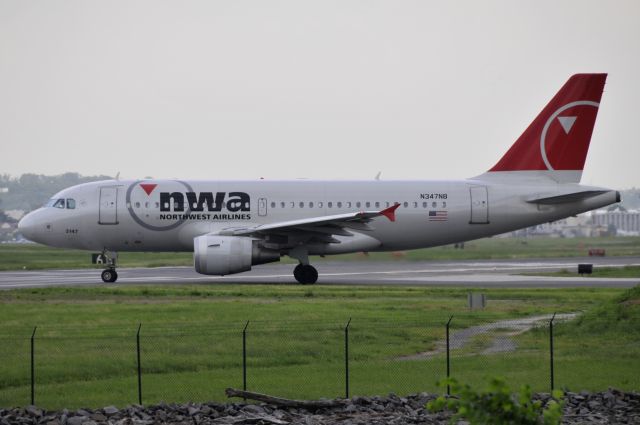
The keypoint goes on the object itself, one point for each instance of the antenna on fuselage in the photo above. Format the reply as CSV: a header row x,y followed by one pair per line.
x,y
378,175
118,176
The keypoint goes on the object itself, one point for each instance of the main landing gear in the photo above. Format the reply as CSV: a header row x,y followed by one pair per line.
x,y
109,275
305,274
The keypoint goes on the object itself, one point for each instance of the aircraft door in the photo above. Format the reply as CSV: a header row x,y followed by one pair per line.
x,y
262,207
479,205
108,209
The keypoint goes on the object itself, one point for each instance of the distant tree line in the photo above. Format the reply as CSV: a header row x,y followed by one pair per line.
x,y
31,191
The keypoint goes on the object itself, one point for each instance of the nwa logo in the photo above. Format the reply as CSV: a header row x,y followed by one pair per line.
x,y
167,204
205,201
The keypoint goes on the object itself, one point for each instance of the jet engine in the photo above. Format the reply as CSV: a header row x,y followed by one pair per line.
x,y
222,255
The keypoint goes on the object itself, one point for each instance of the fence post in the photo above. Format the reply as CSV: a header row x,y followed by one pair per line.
x,y
551,350
139,366
346,359
448,358
244,357
33,368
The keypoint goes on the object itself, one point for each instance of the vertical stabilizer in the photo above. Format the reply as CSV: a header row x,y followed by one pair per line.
x,y
556,143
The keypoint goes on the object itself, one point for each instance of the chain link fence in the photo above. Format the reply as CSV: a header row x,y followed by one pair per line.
x,y
305,360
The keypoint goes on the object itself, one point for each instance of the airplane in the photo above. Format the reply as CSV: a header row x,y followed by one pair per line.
x,y
231,226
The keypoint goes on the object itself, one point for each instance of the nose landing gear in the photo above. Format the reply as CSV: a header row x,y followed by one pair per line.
x,y
109,275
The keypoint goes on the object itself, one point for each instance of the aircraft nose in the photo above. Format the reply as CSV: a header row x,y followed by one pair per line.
x,y
28,226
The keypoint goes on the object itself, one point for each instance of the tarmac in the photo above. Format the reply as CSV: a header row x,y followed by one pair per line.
x,y
477,273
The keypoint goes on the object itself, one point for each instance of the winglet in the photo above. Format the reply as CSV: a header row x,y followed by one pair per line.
x,y
390,212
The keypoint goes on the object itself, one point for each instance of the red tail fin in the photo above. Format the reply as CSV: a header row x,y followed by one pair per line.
x,y
558,139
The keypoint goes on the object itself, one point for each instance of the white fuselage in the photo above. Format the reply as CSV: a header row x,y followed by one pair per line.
x,y
120,216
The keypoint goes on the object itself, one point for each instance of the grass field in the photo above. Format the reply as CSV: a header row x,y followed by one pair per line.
x,y
191,341
33,257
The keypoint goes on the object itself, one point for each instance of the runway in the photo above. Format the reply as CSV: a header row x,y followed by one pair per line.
x,y
477,273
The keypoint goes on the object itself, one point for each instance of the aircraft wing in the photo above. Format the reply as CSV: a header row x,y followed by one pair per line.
x,y
324,225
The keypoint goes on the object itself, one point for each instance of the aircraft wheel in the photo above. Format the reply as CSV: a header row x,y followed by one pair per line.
x,y
297,273
305,274
109,276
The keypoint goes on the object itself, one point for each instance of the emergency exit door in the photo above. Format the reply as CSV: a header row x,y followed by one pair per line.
x,y
262,207
479,205
108,209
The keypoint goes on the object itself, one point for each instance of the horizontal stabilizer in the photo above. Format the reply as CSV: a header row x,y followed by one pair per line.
x,y
566,197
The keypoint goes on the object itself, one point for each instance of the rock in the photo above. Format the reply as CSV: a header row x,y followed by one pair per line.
x,y
255,409
77,420
33,411
98,417
111,410
350,408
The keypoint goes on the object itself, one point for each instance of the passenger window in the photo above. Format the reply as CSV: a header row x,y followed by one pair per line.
x,y
377,204
301,204
310,204
339,204
293,204
59,203
71,204
137,204
368,204
282,204
415,205
157,205
444,205
330,204
424,205
358,204
406,204
273,205
387,204
319,204
434,204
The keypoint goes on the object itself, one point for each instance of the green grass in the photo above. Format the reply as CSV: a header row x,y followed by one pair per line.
x,y
191,340
36,257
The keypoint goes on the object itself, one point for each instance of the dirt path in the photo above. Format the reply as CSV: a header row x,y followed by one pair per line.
x,y
502,342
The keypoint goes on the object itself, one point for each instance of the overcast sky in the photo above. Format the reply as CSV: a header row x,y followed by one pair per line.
x,y
322,89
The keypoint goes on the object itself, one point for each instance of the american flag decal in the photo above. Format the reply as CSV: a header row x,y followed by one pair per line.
x,y
438,216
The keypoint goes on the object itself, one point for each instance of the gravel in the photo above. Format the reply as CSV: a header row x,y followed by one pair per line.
x,y
608,407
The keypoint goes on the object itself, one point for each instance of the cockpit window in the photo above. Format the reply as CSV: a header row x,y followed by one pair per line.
x,y
61,203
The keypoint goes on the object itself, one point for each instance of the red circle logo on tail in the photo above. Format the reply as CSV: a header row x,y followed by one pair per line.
x,y
565,137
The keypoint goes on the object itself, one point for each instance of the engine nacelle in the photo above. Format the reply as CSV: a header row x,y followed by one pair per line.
x,y
222,255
